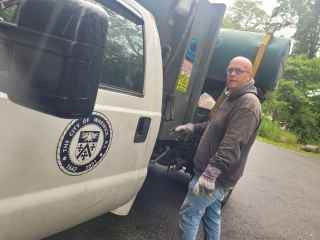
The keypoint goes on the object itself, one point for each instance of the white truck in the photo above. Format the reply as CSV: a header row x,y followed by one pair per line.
x,y
84,88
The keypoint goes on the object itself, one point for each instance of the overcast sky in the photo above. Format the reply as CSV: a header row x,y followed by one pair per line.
x,y
268,6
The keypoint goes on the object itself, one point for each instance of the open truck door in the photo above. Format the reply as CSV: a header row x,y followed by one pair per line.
x,y
81,92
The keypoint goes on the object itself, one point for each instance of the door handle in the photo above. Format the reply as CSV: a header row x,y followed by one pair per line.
x,y
142,129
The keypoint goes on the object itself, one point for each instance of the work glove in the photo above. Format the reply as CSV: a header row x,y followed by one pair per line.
x,y
207,181
181,131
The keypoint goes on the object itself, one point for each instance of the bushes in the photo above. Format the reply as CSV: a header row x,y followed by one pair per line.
x,y
274,132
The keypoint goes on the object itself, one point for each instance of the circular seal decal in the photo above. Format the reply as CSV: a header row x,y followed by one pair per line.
x,y
83,144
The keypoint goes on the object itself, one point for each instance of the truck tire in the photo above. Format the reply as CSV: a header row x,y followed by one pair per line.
x,y
226,197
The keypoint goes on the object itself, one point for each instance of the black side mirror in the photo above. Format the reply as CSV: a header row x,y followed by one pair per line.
x,y
51,58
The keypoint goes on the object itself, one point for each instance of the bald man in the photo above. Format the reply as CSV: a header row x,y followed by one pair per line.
x,y
222,152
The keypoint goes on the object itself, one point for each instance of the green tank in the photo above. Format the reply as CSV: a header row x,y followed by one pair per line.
x,y
233,43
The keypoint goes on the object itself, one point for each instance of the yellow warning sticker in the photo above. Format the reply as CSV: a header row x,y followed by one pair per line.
x,y
183,83
171,22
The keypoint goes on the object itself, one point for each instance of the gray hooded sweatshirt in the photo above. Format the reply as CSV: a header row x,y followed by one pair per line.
x,y
229,134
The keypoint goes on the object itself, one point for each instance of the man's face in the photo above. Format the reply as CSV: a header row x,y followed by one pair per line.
x,y
235,80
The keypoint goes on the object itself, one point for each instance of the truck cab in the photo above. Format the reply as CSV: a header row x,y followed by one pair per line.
x,y
60,167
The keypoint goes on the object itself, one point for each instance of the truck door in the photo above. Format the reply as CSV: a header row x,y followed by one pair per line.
x,y
56,172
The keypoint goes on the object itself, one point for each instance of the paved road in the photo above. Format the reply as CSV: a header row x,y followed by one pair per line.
x,y
278,198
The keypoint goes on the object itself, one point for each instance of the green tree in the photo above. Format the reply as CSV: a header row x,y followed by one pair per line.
x,y
275,107
295,104
246,15
304,15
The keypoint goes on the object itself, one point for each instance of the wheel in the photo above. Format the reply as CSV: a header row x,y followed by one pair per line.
x,y
226,197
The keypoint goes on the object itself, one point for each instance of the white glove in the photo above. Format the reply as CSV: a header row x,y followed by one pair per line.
x,y
182,131
206,182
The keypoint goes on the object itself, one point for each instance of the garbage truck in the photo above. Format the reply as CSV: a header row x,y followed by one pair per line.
x,y
88,93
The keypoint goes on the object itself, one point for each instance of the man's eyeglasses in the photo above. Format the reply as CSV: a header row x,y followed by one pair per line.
x,y
238,71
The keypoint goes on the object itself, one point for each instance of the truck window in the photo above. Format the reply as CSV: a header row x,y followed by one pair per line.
x,y
123,63
10,14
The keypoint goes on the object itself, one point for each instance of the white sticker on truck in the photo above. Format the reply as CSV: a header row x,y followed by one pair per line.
x,y
187,68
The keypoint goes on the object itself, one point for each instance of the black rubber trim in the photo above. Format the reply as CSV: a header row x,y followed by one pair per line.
x,y
120,90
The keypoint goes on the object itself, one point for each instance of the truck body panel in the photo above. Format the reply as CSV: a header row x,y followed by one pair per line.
x,y
201,27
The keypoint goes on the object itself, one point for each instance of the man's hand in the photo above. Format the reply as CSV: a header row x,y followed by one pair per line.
x,y
206,182
181,131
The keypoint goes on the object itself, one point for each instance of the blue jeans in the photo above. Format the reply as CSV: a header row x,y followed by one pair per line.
x,y
195,207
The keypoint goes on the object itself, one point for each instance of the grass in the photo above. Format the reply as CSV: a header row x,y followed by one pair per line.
x,y
275,135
